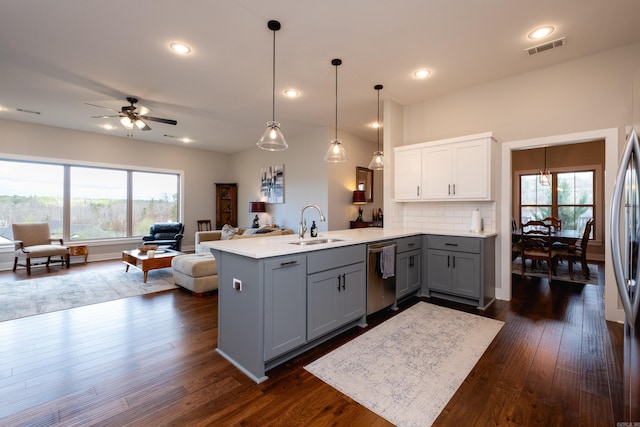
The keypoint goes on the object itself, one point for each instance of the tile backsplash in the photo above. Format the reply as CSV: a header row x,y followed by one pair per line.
x,y
443,215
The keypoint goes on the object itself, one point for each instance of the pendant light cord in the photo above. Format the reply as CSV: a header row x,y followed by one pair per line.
x,y
273,74
336,64
378,119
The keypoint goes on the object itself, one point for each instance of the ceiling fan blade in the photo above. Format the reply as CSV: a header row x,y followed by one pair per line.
x,y
100,106
103,117
145,127
157,119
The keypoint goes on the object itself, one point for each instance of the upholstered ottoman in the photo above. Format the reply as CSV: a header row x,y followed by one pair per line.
x,y
195,272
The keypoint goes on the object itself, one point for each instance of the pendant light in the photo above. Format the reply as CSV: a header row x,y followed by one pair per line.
x,y
272,139
545,175
377,162
336,152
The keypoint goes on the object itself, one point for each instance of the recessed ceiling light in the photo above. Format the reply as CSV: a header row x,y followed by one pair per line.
x,y
541,32
291,93
107,126
422,73
181,48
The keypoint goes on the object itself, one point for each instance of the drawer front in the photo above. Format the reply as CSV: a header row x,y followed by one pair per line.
x,y
336,257
453,243
409,243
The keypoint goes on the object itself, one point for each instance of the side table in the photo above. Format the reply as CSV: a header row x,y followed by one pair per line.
x,y
79,250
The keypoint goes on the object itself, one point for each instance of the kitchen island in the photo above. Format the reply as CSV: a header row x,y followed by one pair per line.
x,y
278,298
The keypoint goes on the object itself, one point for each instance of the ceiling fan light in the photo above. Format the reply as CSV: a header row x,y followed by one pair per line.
x,y
272,138
335,153
140,124
127,123
377,161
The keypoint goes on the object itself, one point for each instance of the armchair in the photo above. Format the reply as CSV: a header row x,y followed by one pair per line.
x,y
34,241
165,234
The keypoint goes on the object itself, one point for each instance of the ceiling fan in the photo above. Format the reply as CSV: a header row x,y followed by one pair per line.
x,y
131,115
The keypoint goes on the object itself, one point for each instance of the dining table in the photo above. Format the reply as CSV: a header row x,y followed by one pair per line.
x,y
569,237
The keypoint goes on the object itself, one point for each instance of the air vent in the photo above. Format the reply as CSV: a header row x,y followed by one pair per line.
x,y
22,110
547,46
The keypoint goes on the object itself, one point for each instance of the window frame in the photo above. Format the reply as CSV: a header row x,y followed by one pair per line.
x,y
66,215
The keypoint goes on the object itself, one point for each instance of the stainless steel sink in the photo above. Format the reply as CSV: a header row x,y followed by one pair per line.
x,y
314,242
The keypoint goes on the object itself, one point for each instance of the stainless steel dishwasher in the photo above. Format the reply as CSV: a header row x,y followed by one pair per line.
x,y
381,293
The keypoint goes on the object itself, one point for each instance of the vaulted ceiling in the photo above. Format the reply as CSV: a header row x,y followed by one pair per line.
x,y
57,57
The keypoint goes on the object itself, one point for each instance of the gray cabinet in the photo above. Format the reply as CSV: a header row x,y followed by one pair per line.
x,y
408,266
285,297
336,289
461,269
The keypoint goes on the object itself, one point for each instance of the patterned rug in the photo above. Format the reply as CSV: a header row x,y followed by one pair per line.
x,y
43,295
407,368
562,271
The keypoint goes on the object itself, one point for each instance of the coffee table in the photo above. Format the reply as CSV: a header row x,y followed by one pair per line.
x,y
142,262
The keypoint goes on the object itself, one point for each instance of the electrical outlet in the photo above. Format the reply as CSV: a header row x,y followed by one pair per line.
x,y
237,284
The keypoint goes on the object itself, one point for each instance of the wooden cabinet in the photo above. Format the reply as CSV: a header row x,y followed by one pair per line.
x,y
226,205
454,169
336,289
461,269
285,297
408,266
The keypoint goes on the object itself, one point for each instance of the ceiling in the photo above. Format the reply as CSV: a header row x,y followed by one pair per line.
x,y
57,57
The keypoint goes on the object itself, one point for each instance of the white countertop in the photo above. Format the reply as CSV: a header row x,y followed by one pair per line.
x,y
267,247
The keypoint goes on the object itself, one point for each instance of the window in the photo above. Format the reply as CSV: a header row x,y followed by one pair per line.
x,y
570,197
101,203
31,192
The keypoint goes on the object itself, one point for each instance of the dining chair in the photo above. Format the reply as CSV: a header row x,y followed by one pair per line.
x,y
204,225
578,252
515,242
536,246
555,223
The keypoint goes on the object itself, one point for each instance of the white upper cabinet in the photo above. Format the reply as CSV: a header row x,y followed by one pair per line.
x,y
454,169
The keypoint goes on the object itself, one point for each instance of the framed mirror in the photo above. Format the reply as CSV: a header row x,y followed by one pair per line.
x,y
364,181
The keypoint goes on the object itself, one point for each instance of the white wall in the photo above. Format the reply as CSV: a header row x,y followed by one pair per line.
x,y
308,179
582,95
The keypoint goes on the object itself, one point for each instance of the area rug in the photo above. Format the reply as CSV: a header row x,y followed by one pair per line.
x,y
562,271
59,292
407,368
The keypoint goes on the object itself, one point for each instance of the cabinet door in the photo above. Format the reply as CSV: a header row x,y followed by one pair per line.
x,y
408,272
322,302
352,294
471,170
407,174
285,305
437,172
438,270
465,280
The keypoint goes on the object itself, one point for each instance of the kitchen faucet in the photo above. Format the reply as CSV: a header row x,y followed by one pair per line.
x,y
303,222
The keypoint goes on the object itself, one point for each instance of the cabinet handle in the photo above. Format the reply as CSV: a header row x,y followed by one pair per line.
x,y
343,281
451,244
448,261
454,189
411,244
338,283
418,191
411,261
288,263
449,190
454,261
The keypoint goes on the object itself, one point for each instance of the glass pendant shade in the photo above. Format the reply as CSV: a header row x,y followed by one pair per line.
x,y
377,162
545,177
335,153
272,138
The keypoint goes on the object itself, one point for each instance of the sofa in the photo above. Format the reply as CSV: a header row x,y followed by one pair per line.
x,y
198,272
168,234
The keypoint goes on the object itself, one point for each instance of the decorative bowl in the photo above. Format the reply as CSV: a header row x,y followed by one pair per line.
x,y
145,248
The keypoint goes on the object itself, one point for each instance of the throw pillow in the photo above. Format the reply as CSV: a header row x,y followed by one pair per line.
x,y
228,232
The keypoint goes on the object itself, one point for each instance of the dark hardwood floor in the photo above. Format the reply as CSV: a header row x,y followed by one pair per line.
x,y
150,360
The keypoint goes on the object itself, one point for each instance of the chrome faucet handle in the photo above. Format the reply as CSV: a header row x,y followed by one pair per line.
x,y
302,229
